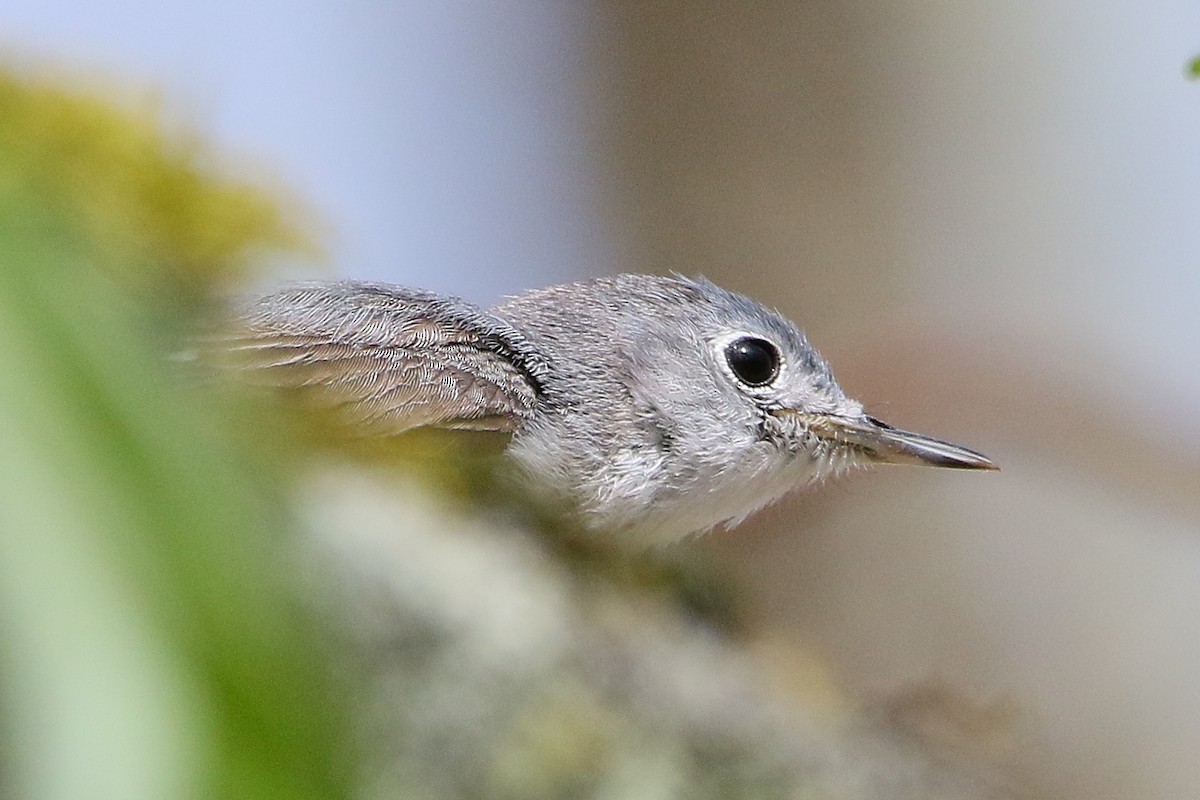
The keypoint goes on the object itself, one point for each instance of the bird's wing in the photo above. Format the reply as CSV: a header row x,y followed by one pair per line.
x,y
389,358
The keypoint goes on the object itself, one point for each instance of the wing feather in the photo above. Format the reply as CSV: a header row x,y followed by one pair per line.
x,y
389,358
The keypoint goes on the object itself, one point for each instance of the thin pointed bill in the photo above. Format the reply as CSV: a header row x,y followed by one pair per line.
x,y
884,444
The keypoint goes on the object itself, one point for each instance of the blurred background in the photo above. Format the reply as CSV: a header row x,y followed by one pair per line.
x,y
984,215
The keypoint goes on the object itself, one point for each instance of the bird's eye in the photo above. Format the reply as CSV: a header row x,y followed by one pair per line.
x,y
755,362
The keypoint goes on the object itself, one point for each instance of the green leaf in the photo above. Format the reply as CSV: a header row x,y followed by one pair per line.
x,y
154,641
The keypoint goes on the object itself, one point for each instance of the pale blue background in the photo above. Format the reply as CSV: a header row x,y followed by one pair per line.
x,y
444,141
448,144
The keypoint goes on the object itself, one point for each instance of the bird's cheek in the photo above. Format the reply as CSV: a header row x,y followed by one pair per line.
x,y
775,430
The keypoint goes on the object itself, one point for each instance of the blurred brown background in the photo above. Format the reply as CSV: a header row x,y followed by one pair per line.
x,y
951,199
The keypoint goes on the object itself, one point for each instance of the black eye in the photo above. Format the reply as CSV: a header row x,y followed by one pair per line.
x,y
754,361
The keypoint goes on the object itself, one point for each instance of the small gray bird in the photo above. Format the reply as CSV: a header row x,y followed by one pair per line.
x,y
658,406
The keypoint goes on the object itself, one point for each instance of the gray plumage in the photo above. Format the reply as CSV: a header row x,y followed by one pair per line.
x,y
393,358
625,395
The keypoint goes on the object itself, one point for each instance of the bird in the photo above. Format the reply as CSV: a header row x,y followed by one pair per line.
x,y
649,406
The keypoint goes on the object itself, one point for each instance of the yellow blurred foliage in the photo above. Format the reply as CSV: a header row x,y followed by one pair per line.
x,y
152,201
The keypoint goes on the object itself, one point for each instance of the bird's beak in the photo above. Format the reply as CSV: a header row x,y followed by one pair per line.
x,y
884,444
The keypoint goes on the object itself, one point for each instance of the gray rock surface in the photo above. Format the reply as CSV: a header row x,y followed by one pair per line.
x,y
488,665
